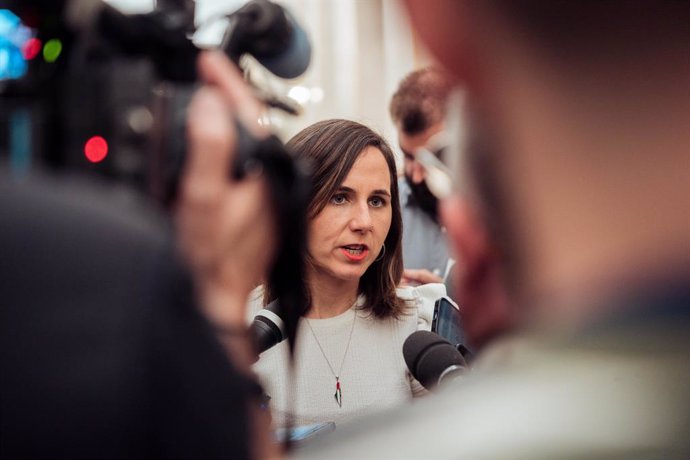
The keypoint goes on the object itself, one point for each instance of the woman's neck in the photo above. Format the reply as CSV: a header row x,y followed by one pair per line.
x,y
330,297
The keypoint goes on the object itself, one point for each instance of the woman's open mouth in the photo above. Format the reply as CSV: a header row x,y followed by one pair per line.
x,y
355,252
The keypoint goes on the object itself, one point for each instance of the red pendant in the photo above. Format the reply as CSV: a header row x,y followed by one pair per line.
x,y
338,393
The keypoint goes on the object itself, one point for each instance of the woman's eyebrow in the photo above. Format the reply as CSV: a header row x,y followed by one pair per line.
x,y
380,191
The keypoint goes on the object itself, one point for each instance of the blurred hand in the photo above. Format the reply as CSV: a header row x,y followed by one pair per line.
x,y
225,228
417,276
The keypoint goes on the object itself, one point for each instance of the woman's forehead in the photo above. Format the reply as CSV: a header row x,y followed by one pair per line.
x,y
369,171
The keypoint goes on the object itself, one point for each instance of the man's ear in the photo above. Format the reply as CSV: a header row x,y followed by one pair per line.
x,y
465,232
480,287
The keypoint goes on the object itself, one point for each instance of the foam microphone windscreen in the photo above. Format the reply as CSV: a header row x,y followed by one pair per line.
x,y
428,356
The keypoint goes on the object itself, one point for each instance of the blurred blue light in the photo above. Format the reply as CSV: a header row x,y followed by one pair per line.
x,y
12,62
13,37
9,22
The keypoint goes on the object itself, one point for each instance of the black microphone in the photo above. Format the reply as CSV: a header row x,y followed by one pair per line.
x,y
268,328
261,28
268,32
432,359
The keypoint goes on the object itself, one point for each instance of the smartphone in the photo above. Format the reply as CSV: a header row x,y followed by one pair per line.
x,y
447,322
299,434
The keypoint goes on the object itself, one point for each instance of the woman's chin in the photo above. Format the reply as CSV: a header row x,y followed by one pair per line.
x,y
351,274
344,272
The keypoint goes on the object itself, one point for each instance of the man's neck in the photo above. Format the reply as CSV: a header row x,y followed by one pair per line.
x,y
574,307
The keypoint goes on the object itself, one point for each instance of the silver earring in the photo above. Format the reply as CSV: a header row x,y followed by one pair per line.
x,y
383,252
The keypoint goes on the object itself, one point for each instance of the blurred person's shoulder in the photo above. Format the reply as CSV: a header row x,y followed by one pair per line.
x,y
546,401
99,317
71,200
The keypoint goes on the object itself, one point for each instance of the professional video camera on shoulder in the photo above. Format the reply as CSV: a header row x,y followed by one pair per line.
x,y
86,87
113,101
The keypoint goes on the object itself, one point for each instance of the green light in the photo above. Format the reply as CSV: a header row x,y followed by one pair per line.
x,y
52,49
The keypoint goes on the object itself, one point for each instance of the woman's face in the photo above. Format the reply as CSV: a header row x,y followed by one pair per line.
x,y
347,235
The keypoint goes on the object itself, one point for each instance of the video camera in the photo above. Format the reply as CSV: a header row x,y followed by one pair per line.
x,y
107,94
84,87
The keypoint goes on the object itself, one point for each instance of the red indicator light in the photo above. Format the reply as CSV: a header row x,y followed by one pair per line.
x,y
31,48
96,149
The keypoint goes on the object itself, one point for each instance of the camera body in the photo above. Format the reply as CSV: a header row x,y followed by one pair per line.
x,y
110,97
113,103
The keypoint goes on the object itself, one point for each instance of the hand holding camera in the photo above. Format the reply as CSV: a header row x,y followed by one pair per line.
x,y
226,228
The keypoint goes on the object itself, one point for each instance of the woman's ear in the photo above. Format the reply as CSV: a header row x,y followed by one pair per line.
x,y
479,283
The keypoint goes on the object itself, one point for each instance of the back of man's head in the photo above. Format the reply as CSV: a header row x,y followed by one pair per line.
x,y
581,114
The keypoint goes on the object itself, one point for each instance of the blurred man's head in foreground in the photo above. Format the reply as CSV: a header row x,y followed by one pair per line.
x,y
578,153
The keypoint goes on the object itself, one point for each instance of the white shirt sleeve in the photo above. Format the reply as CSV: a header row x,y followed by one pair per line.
x,y
424,297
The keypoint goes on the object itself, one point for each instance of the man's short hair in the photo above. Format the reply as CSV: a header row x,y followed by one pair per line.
x,y
420,100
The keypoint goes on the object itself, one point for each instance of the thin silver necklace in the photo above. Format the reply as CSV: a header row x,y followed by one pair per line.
x,y
338,391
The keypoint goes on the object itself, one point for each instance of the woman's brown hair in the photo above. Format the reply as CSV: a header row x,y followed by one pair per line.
x,y
331,148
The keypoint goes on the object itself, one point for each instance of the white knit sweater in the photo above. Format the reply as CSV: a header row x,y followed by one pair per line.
x,y
373,377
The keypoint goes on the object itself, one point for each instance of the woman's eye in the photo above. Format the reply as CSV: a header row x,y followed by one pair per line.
x,y
377,202
338,198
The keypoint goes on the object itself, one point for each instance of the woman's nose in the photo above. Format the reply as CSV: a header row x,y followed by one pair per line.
x,y
361,219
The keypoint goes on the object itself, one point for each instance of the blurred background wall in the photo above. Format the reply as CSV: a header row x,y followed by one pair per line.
x,y
362,48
